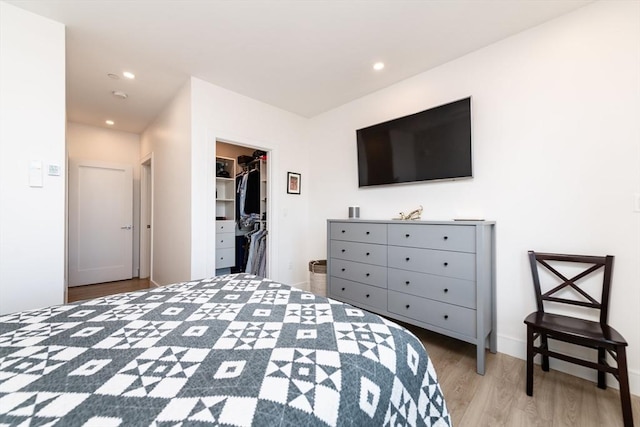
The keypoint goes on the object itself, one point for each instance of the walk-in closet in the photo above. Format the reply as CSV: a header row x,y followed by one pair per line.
x,y
241,209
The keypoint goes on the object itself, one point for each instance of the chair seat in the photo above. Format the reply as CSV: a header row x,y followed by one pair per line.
x,y
574,329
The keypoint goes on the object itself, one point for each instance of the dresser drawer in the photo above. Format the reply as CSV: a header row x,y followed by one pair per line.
x,y
358,293
358,272
225,240
451,317
225,258
359,232
447,237
360,252
460,265
225,226
445,289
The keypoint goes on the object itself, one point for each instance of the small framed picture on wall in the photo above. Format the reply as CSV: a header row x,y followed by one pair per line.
x,y
293,183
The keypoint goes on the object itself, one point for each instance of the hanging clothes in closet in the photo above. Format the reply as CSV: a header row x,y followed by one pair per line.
x,y
248,198
251,253
257,252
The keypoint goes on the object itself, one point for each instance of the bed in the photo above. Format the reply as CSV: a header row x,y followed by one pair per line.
x,y
235,350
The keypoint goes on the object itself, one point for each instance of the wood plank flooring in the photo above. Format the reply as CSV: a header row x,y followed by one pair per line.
x,y
496,399
79,293
499,399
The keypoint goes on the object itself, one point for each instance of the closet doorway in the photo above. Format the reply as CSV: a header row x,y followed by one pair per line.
x,y
242,221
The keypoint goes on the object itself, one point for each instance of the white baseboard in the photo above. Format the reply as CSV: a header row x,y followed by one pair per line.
x,y
302,286
518,348
153,284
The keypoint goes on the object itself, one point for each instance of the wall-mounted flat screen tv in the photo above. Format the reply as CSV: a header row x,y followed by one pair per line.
x,y
434,144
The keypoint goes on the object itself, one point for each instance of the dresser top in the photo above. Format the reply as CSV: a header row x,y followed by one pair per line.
x,y
418,222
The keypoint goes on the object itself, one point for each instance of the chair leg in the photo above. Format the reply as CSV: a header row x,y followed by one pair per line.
x,y
545,359
602,376
625,395
530,355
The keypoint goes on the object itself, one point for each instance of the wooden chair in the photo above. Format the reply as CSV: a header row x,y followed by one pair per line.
x,y
593,334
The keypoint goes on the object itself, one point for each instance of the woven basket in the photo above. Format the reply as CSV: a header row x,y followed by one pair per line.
x,y
318,277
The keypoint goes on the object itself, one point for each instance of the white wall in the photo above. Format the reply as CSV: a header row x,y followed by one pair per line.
x,y
218,113
557,156
32,128
169,139
96,143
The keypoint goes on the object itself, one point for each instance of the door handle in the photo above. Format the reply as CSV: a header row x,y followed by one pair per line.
x,y
126,227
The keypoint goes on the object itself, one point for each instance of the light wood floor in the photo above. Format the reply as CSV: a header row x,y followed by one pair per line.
x,y
496,399
79,293
499,399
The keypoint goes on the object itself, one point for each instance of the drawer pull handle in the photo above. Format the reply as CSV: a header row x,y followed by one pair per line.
x,y
342,289
406,283
446,264
407,259
344,250
407,235
343,269
368,233
367,295
446,290
222,241
407,306
343,231
368,254
368,274
446,237
446,316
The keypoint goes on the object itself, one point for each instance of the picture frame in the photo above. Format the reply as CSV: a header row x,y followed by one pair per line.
x,y
293,182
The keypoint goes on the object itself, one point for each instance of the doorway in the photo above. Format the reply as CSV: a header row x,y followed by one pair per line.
x,y
146,218
242,202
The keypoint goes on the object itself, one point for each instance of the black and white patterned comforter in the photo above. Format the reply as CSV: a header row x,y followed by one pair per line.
x,y
234,350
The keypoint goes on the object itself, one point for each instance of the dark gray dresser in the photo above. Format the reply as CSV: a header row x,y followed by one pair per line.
x,y
439,275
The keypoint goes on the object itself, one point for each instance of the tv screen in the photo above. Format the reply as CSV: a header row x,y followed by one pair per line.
x,y
434,144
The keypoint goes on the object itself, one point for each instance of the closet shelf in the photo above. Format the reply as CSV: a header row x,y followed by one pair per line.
x,y
225,213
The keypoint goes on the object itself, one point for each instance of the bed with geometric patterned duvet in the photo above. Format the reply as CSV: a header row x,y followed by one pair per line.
x,y
234,350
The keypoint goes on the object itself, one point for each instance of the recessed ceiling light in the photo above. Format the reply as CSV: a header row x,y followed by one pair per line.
x,y
110,122
378,66
113,76
120,94
129,75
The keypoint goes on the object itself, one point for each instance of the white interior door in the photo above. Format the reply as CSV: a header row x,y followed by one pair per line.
x,y
100,222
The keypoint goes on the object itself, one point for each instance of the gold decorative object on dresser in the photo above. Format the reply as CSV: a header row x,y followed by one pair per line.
x,y
439,275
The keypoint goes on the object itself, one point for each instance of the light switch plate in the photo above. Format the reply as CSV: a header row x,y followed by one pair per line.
x,y
54,170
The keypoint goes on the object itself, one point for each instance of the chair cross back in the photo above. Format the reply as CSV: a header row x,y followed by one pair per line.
x,y
596,262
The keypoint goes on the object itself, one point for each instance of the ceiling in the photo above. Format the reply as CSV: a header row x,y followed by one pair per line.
x,y
305,57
